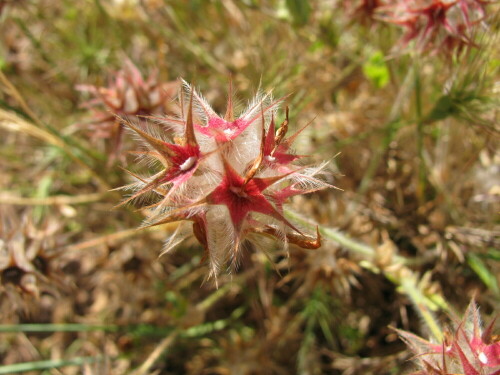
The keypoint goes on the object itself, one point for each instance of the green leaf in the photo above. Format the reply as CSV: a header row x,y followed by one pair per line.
x,y
445,106
57,327
375,69
316,46
300,11
483,272
42,191
493,254
45,365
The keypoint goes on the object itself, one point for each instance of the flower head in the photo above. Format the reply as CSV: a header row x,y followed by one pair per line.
x,y
128,94
228,127
229,177
467,349
436,25
363,10
26,258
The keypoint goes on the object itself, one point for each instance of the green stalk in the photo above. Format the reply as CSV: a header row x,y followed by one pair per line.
x,y
337,236
36,127
409,287
57,327
397,272
422,170
12,122
389,131
347,242
46,365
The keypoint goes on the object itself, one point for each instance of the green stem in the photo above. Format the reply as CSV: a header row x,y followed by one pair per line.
x,y
336,235
36,127
46,365
389,132
422,170
61,327
397,272
347,242
408,285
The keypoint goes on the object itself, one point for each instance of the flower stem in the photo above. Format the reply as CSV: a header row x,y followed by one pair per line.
x,y
410,288
389,131
422,170
395,271
37,128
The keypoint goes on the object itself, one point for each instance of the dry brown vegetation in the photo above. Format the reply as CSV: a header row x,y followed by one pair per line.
x,y
412,235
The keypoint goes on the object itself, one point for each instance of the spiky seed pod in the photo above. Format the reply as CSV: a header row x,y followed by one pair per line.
x,y
466,349
229,176
128,94
436,26
26,258
323,268
364,11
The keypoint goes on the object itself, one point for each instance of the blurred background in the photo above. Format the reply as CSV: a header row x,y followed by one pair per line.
x,y
404,100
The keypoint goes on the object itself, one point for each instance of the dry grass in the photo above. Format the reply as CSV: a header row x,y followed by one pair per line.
x,y
413,235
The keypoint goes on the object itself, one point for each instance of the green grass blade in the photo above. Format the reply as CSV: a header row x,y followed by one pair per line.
x,y
11,328
482,271
46,365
